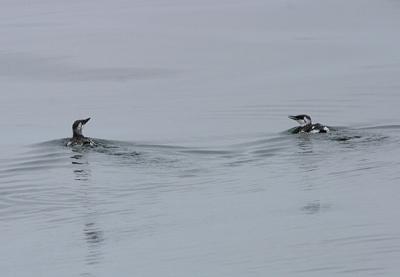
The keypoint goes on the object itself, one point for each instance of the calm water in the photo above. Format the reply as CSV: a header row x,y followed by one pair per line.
x,y
195,173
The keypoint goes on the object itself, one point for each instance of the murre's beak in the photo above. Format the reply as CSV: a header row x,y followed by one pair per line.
x,y
293,117
84,121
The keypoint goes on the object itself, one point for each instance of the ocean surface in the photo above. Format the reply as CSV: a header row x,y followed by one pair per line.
x,y
195,172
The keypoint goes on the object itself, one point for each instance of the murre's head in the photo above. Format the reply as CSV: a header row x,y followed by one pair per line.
x,y
77,127
302,119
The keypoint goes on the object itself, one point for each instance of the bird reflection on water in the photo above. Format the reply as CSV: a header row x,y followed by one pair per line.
x,y
92,232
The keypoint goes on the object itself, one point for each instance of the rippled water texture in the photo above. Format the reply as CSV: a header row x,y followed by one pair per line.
x,y
195,171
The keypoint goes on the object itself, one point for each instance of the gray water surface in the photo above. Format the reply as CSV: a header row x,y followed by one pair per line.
x,y
195,172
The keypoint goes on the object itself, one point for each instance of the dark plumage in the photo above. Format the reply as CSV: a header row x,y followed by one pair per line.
x,y
306,125
77,137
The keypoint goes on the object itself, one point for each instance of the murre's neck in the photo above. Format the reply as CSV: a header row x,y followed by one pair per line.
x,y
77,135
305,124
77,132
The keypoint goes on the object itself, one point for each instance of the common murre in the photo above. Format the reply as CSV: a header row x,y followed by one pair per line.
x,y
77,137
306,125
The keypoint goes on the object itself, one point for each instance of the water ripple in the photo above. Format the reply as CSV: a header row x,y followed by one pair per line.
x,y
49,176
